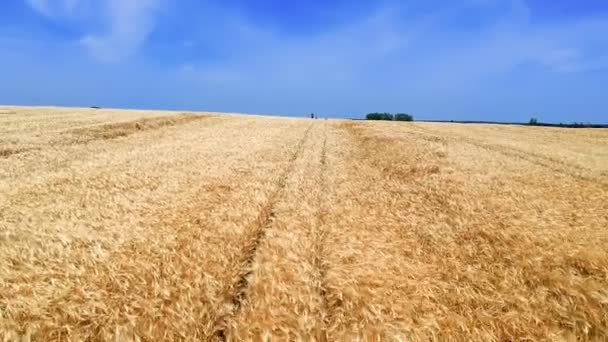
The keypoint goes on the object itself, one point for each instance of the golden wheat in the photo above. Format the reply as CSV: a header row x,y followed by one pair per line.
x,y
134,225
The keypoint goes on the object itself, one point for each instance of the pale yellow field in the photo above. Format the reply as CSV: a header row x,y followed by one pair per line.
x,y
133,225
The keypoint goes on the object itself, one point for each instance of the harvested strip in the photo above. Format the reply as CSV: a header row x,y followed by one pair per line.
x,y
6,152
38,125
56,154
121,129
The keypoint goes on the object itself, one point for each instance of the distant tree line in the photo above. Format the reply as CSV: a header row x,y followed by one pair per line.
x,y
535,122
390,116
532,122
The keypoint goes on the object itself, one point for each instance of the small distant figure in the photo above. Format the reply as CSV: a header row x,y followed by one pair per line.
x,y
312,115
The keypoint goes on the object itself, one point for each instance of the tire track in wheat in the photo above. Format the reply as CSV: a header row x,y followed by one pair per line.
x,y
319,238
236,293
556,165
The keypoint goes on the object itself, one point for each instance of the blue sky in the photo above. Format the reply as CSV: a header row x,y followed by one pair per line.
x,y
462,59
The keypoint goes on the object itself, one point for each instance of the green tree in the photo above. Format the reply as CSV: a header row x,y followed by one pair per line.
x,y
379,116
404,117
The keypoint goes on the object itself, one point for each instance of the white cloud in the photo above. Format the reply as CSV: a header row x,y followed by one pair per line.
x,y
125,24
55,8
128,23
41,6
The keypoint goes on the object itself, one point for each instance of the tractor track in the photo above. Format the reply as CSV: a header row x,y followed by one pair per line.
x,y
319,237
237,293
555,165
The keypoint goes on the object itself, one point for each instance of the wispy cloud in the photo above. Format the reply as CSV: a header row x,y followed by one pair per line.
x,y
125,25
55,8
340,54
128,23
423,46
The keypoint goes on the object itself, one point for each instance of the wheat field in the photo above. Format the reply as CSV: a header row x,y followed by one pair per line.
x,y
161,226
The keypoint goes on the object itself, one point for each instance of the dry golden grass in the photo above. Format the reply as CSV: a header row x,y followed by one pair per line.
x,y
133,225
